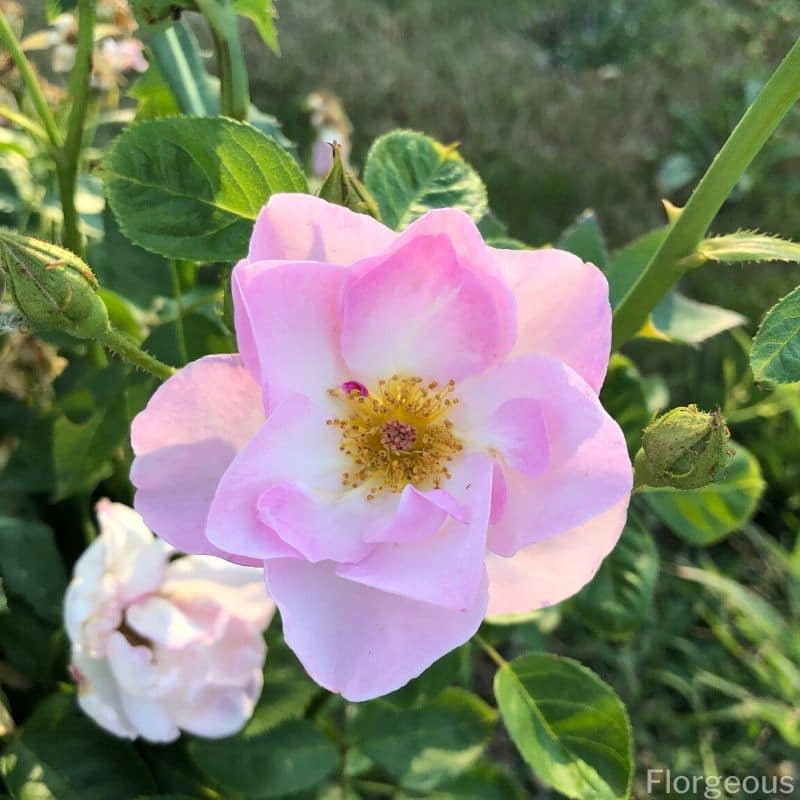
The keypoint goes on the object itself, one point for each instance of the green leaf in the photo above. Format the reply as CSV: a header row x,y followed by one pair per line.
x,y
585,239
681,319
425,746
262,14
136,274
6,720
63,755
31,566
569,726
618,599
623,396
293,757
628,263
775,355
55,8
409,173
435,679
743,246
484,781
191,188
705,516
287,690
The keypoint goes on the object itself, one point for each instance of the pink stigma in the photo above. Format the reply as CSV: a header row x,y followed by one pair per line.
x,y
398,435
348,387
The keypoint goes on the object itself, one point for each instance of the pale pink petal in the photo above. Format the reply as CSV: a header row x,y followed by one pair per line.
x,y
289,316
295,446
323,525
416,518
98,694
185,439
238,653
236,590
562,307
299,227
445,569
473,254
161,622
588,470
517,431
215,711
417,311
151,718
358,641
552,570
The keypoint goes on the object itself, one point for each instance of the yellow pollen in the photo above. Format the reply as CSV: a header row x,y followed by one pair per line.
x,y
398,435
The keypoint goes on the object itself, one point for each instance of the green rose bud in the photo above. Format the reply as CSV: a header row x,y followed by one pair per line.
x,y
52,287
343,188
685,448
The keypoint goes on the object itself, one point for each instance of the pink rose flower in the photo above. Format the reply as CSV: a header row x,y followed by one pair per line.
x,y
409,437
159,644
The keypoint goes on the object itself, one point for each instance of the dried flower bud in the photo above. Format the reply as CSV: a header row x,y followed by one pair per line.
x,y
685,448
343,188
52,287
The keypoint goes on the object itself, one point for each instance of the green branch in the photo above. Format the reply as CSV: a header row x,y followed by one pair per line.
x,y
748,137
125,347
48,120
79,95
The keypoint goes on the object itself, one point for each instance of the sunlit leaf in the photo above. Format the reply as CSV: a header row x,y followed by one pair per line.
x,y
569,726
704,516
409,174
192,188
775,355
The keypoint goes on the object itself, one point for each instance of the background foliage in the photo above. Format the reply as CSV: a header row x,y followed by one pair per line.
x,y
694,620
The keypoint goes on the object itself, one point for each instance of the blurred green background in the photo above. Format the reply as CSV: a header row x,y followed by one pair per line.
x,y
560,106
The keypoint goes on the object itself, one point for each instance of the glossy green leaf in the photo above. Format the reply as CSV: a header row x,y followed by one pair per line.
x,y
423,747
262,14
569,726
290,758
775,355
680,319
484,781
743,246
31,566
287,690
409,173
617,600
64,755
192,187
704,516
585,239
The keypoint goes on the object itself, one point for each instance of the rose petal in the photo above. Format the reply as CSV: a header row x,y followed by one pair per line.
x,y
299,227
289,475
359,641
185,439
445,569
554,569
563,309
588,469
417,311
291,314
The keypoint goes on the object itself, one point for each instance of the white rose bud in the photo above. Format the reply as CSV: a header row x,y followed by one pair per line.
x,y
160,643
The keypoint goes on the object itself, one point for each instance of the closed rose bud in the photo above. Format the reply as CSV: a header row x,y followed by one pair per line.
x,y
343,188
685,449
163,644
52,287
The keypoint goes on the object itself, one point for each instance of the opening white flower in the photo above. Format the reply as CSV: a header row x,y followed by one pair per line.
x,y
163,643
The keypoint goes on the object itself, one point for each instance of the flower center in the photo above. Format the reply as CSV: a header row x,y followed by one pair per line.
x,y
396,435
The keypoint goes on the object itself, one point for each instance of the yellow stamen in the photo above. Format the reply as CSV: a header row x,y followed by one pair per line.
x,y
398,435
